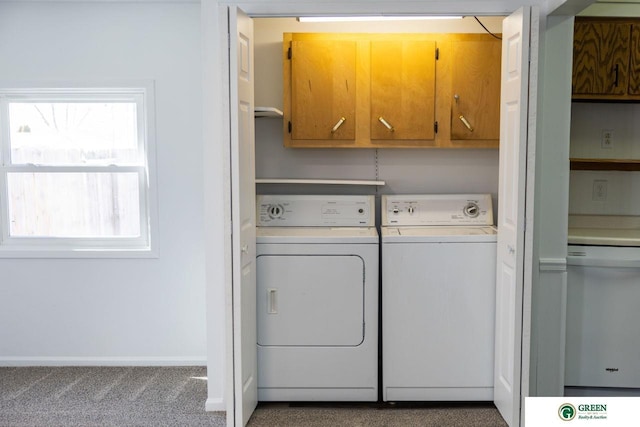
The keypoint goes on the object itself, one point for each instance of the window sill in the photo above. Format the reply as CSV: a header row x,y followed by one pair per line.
x,y
79,253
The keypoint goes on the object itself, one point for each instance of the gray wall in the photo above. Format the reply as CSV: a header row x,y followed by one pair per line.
x,y
118,311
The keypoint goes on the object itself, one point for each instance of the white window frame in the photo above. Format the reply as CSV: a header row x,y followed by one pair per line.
x,y
143,246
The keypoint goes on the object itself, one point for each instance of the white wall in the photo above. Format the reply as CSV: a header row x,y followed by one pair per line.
x,y
115,310
588,120
403,170
550,219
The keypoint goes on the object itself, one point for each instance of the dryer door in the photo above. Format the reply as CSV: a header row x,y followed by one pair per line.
x,y
310,300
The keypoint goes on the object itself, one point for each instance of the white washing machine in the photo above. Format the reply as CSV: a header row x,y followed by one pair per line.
x,y
438,297
317,303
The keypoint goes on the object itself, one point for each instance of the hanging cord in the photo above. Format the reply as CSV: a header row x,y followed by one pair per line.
x,y
486,29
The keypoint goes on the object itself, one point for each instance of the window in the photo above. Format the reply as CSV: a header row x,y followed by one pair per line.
x,y
74,170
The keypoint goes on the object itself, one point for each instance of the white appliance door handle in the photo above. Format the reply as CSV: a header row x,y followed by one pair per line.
x,y
272,302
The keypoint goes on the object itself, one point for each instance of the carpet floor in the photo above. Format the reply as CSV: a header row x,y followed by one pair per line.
x,y
175,396
105,397
377,415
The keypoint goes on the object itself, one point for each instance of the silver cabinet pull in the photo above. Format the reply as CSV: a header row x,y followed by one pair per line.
x,y
466,122
511,250
244,249
386,124
337,126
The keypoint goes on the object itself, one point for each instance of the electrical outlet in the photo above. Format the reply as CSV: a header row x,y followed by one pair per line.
x,y
599,190
607,138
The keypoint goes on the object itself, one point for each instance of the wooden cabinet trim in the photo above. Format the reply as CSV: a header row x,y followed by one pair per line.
x,y
605,164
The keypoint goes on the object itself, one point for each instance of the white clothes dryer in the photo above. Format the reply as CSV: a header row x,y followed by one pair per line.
x,y
317,303
438,297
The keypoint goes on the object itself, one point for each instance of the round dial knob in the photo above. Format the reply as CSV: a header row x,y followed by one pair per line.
x,y
411,210
275,211
471,210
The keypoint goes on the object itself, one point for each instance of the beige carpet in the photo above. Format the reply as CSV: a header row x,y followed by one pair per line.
x,y
175,396
105,397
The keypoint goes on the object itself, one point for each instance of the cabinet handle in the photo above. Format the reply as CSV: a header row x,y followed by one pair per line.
x,y
616,70
386,124
466,123
337,126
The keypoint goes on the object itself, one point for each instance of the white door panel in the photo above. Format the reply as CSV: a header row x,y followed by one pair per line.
x,y
245,366
511,194
311,300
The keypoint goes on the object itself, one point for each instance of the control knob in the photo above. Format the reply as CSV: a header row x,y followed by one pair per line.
x,y
275,211
471,210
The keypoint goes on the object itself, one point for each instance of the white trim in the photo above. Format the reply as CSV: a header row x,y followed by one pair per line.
x,y
215,404
103,361
294,8
217,140
140,92
553,264
106,1
318,181
530,193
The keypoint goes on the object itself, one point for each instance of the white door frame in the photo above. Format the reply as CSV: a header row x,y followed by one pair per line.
x,y
217,151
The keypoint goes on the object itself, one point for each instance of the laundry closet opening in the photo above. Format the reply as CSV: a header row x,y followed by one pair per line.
x,y
508,167
459,155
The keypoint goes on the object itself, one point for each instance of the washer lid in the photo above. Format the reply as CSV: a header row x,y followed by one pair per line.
x,y
299,235
439,234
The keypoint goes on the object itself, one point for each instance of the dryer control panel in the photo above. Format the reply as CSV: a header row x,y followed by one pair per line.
x,y
315,211
437,209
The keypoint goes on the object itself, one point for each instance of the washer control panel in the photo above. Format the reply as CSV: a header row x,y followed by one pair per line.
x,y
437,209
315,211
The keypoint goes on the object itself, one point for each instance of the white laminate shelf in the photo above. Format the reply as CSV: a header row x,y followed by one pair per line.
x,y
318,181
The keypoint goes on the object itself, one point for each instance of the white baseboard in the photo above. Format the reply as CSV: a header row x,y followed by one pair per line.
x,y
103,361
216,404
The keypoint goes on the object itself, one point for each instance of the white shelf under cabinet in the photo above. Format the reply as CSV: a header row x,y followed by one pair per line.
x,y
318,181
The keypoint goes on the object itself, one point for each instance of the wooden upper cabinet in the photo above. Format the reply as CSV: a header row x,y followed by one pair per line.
x,y
601,58
358,90
475,90
323,90
402,90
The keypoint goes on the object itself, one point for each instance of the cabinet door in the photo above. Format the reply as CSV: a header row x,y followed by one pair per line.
x,y
475,103
634,67
402,90
601,58
323,90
